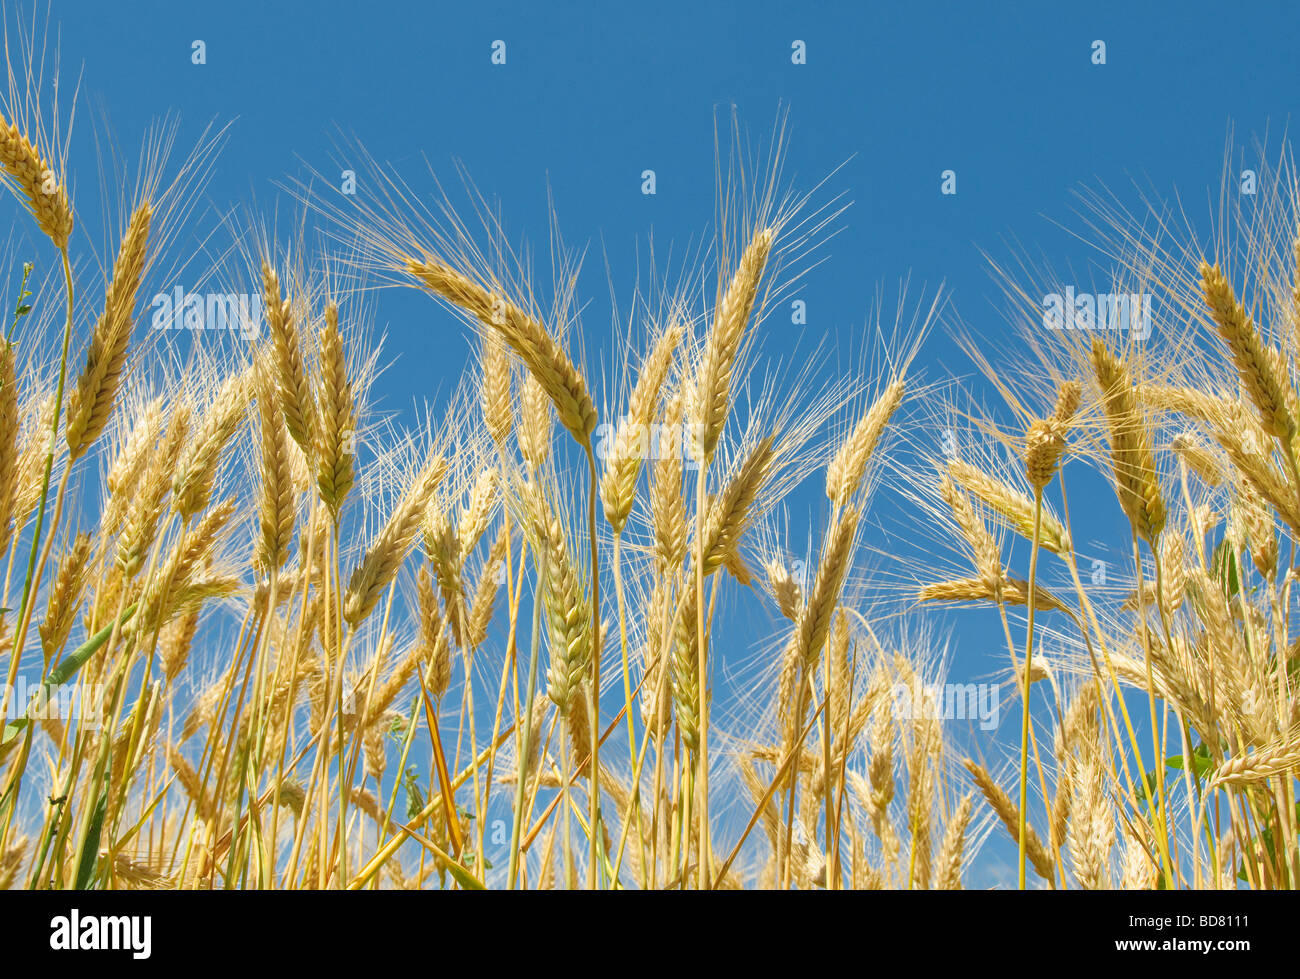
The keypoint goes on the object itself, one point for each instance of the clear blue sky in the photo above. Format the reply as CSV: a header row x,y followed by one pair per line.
x,y
594,93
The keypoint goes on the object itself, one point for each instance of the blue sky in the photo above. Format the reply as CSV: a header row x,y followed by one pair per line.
x,y
592,94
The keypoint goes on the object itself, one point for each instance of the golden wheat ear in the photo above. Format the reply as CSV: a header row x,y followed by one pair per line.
x,y
712,387
336,424
540,352
618,485
276,507
294,389
382,560
32,176
91,401
846,469
10,440
1133,462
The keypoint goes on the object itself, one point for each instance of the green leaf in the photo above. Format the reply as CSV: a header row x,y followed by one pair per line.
x,y
89,859
9,738
414,797
1224,564
463,877
75,660
1202,766
1153,783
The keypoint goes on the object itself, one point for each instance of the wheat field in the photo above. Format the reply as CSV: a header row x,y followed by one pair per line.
x,y
314,647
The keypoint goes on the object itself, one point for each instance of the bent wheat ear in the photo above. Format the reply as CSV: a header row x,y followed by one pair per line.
x,y
91,401
1256,767
539,351
1015,509
1009,815
1012,591
31,175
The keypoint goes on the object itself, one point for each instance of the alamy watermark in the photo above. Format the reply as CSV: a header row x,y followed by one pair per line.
x,y
240,312
66,702
949,702
645,442
1116,312
75,932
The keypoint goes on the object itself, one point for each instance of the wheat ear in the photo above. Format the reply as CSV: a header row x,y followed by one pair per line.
x,y
494,394
336,428
1256,364
10,432
1132,460
379,566
632,437
91,400
296,400
1009,815
849,464
276,507
32,176
712,388
540,352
